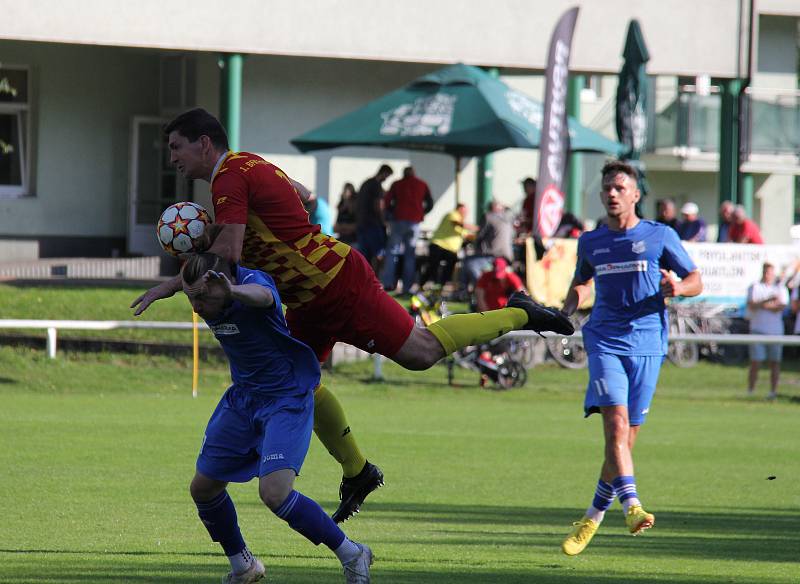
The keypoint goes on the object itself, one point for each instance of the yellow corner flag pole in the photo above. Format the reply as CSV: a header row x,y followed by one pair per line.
x,y
195,353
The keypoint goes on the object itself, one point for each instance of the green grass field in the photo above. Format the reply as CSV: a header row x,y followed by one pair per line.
x,y
97,452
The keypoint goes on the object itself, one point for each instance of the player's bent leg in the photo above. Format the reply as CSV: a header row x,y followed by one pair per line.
x,y
203,488
421,350
218,514
332,429
463,330
306,517
425,347
359,476
275,487
616,428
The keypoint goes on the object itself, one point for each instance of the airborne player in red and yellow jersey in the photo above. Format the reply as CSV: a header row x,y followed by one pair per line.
x,y
330,291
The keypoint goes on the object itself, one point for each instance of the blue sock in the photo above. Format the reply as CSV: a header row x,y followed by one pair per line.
x,y
626,491
219,517
307,518
603,496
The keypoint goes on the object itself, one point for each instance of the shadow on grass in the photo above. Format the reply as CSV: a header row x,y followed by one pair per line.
x,y
765,535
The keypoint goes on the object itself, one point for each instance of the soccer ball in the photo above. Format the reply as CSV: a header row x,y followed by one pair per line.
x,y
179,227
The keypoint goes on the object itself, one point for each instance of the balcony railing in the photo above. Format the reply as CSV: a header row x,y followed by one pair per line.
x,y
770,122
690,123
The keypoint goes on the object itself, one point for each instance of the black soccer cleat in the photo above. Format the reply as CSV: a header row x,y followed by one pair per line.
x,y
541,318
354,490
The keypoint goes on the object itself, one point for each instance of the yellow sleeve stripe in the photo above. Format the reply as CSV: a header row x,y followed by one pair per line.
x,y
304,241
317,254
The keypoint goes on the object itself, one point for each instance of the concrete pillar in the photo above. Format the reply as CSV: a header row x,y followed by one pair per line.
x,y
575,170
729,140
231,97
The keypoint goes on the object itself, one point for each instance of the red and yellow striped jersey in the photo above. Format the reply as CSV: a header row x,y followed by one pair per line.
x,y
278,239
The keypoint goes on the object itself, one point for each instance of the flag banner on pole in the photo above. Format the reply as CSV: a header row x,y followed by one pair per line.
x,y
554,145
631,103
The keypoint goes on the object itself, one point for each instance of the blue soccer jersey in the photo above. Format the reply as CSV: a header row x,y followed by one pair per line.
x,y
263,356
629,314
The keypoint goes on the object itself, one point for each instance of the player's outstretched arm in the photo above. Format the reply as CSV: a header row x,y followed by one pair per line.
x,y
163,290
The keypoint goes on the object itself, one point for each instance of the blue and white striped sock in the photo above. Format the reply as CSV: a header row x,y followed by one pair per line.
x,y
603,498
626,491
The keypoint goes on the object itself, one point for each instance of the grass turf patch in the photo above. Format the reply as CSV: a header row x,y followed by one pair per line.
x,y
98,451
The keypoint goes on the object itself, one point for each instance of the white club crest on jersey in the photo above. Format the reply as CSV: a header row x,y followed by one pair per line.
x,y
638,247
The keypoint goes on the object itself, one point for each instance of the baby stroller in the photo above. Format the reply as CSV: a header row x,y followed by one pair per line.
x,y
497,367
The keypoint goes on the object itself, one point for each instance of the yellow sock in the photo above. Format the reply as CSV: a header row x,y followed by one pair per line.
x,y
330,425
462,330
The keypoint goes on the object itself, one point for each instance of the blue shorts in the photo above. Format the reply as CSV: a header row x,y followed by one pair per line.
x,y
761,352
619,380
251,435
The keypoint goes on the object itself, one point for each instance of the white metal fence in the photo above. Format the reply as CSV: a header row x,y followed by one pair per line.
x,y
52,327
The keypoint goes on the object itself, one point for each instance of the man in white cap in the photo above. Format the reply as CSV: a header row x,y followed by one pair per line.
x,y
692,227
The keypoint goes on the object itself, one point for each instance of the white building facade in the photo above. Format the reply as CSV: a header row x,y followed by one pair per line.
x,y
85,87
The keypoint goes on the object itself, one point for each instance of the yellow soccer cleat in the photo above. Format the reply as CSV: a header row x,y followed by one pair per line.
x,y
637,519
580,536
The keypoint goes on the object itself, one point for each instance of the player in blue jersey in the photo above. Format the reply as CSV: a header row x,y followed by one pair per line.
x,y
262,425
631,261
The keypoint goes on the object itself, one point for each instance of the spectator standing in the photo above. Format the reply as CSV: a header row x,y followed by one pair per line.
x,y
570,226
445,244
795,298
766,300
692,227
407,202
525,218
370,227
496,235
496,285
743,230
319,213
345,226
665,213
725,221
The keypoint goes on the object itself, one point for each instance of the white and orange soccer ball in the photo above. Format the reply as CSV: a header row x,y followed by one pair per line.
x,y
179,227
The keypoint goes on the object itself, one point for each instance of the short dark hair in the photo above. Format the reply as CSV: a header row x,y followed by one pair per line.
x,y
529,181
385,169
200,263
614,167
198,122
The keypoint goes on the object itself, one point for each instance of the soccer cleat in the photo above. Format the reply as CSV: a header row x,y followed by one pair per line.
x,y
253,574
357,571
637,519
580,536
354,490
540,317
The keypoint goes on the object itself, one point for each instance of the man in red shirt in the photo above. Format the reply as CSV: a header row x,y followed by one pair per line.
x,y
495,286
330,293
406,204
743,230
